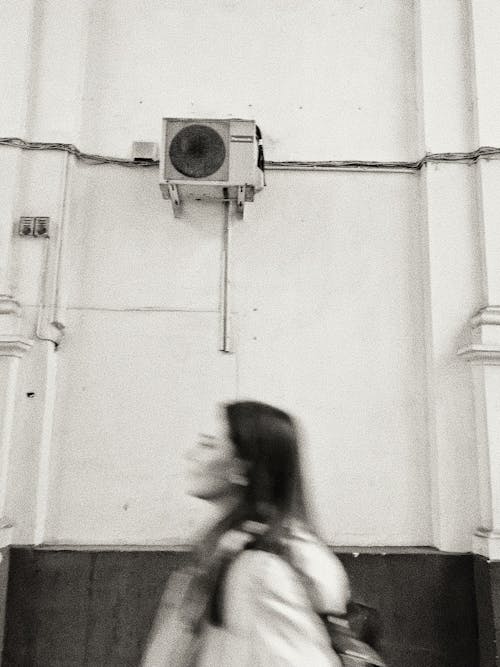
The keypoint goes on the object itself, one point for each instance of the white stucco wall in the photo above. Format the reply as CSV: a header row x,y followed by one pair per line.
x,y
331,272
322,78
340,346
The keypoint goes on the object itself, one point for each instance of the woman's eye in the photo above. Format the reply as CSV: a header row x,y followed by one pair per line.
x,y
207,441
208,445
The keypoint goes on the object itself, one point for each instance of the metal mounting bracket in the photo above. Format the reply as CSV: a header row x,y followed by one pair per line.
x,y
175,199
240,203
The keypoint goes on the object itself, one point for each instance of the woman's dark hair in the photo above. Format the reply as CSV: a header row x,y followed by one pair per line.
x,y
266,439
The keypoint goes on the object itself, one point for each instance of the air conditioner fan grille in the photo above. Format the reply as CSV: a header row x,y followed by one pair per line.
x,y
197,151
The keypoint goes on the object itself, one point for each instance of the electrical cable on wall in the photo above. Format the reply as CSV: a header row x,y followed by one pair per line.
x,y
412,166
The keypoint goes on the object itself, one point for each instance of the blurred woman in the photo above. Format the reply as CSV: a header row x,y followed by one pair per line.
x,y
261,577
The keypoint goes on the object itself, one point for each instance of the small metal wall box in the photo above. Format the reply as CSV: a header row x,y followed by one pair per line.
x,y
34,226
41,227
144,151
26,226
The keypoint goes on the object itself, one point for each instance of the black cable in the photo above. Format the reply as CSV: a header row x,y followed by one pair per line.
x,y
472,156
90,158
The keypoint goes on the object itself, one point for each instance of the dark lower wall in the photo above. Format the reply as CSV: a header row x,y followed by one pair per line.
x,y
72,608
4,573
487,581
427,605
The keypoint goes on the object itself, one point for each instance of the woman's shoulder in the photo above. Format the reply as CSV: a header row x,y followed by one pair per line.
x,y
268,605
311,555
325,575
258,579
309,564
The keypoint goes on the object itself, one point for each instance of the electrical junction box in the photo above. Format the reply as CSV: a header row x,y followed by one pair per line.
x,y
30,226
210,159
41,227
144,151
26,225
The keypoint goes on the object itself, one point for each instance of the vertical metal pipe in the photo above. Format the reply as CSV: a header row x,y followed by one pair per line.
x,y
50,308
57,301
224,300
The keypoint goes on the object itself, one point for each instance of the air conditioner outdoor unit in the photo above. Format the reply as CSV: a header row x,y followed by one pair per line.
x,y
210,159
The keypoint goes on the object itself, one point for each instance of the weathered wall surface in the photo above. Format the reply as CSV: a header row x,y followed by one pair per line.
x,y
339,310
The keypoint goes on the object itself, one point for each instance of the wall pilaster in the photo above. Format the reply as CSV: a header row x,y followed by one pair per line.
x,y
451,265
482,347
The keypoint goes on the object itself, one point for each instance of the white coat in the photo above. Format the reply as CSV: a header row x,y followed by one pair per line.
x,y
270,619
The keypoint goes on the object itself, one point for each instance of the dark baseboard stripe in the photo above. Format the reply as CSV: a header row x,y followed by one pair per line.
x,y
89,606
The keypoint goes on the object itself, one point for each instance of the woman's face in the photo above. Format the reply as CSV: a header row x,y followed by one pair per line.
x,y
213,465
